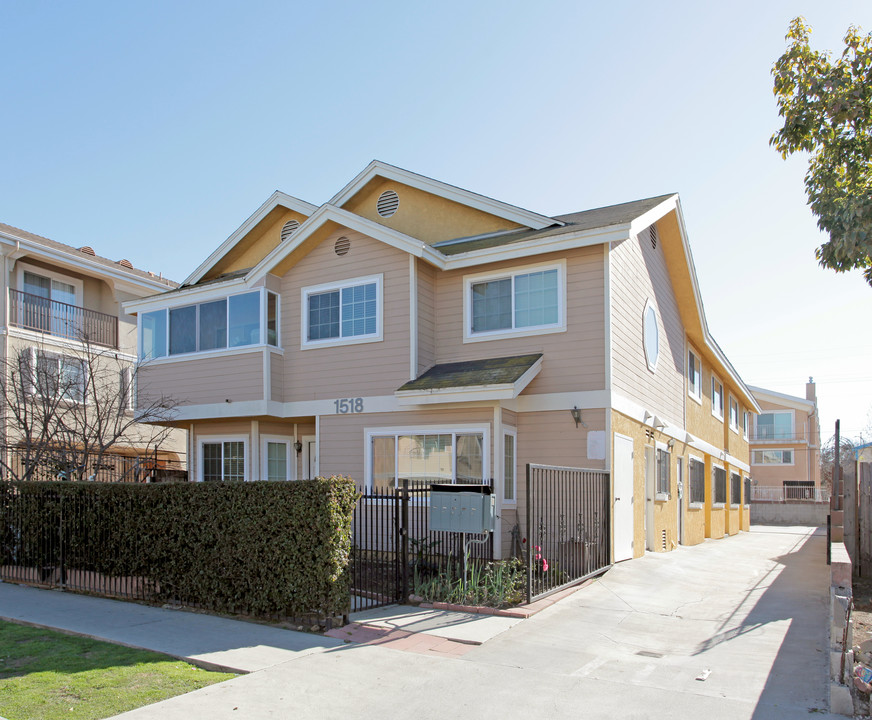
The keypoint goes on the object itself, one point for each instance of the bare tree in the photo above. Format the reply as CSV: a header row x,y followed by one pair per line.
x,y
64,414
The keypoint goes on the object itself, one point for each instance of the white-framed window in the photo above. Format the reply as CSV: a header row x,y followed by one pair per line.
x,y
694,376
54,375
239,320
697,482
775,425
719,486
510,464
49,301
650,335
772,456
734,414
424,455
717,398
662,474
126,390
277,459
223,459
735,489
746,424
342,313
523,301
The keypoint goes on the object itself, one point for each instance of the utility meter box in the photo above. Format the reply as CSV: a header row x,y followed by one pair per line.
x,y
462,508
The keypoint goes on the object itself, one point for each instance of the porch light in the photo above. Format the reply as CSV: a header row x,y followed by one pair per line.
x,y
576,415
298,446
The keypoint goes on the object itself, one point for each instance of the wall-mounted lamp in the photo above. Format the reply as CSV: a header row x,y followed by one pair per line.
x,y
671,443
227,400
298,446
576,415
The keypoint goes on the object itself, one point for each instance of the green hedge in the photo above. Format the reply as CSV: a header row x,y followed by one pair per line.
x,y
262,548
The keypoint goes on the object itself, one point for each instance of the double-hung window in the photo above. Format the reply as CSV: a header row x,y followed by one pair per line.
x,y
222,459
57,376
717,398
662,472
694,376
340,313
513,303
734,414
509,463
697,481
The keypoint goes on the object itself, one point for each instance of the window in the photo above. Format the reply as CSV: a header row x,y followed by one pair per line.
x,y
662,479
427,457
719,480
734,414
514,303
49,302
735,489
694,376
58,376
651,335
235,321
126,390
747,491
340,313
509,460
746,424
277,459
772,457
222,460
717,398
697,481
775,425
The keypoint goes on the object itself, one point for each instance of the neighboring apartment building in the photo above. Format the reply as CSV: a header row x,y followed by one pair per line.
x,y
63,315
411,329
785,444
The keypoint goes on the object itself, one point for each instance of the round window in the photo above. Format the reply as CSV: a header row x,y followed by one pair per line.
x,y
652,335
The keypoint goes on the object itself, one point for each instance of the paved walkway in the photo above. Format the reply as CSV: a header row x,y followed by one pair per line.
x,y
729,629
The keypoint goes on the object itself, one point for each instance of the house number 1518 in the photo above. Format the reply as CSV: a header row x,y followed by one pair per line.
x,y
348,405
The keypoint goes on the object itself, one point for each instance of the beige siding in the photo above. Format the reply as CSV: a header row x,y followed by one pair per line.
x,y
574,360
277,377
638,273
376,368
426,316
208,380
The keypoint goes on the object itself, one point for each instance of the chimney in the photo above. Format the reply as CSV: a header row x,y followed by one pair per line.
x,y
809,391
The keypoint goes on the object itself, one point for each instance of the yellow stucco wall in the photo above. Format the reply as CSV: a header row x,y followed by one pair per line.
x,y
423,215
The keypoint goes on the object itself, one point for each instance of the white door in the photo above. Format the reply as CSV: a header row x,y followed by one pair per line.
x,y
623,474
650,480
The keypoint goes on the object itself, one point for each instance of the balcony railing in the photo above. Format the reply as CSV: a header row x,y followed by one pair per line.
x,y
33,312
774,494
785,436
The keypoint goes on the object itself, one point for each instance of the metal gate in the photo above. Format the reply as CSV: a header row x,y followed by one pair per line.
x,y
392,545
568,535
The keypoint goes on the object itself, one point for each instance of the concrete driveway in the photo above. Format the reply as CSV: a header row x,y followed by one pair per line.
x,y
746,615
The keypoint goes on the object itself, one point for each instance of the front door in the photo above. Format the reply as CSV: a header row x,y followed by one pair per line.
x,y
623,475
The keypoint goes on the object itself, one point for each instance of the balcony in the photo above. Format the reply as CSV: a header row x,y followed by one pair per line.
x,y
32,312
775,435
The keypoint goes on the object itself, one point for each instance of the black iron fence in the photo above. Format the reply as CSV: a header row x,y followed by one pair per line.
x,y
568,536
392,545
33,312
40,464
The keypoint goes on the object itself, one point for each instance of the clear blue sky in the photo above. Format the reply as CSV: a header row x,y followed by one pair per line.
x,y
150,131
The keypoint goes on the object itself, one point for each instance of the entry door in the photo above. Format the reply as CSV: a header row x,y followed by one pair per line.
x,y
310,458
680,504
623,475
650,471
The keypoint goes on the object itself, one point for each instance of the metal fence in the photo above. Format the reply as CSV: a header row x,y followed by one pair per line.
x,y
20,463
763,493
392,545
568,535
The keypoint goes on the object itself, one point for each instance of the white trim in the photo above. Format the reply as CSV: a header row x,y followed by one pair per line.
x,y
695,396
512,273
413,317
187,296
733,399
304,470
227,352
306,292
607,315
719,465
64,343
291,464
714,379
776,398
480,202
272,202
791,450
462,429
215,439
650,305
508,430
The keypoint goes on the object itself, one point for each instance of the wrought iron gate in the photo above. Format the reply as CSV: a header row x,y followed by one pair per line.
x,y
568,536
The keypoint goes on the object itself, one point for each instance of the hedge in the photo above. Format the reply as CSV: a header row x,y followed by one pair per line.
x,y
261,548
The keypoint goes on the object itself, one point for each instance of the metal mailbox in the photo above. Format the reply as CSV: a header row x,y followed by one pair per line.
x,y
462,508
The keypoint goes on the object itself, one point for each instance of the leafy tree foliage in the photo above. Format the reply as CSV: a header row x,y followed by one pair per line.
x,y
827,109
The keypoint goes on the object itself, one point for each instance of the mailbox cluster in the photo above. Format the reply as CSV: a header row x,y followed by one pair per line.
x,y
461,508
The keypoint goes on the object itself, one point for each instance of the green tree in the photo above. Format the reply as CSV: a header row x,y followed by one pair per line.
x,y
827,109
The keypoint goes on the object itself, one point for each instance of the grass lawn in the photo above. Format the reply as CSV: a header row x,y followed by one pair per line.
x,y
46,675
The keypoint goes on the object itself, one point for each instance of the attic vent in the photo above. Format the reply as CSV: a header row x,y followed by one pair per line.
x,y
388,202
87,250
289,228
652,231
663,540
342,246
126,263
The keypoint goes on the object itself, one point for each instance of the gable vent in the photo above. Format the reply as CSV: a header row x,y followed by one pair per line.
x,y
342,246
652,232
126,263
388,202
87,250
288,228
663,540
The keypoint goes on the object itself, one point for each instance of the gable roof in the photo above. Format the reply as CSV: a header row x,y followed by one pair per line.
x,y
777,398
85,261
